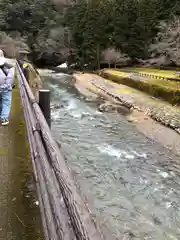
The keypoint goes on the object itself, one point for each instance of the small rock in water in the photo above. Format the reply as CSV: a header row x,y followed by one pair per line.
x,y
156,220
164,174
36,203
56,106
123,110
129,234
168,205
109,107
178,130
132,119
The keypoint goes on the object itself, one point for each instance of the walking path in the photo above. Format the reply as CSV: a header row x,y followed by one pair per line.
x,y
19,218
13,151
6,157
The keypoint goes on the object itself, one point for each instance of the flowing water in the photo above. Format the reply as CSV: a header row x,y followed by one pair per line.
x,y
132,183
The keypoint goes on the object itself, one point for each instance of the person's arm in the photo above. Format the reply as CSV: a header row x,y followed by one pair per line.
x,y
10,75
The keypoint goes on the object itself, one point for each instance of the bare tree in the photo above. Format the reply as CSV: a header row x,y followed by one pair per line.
x,y
114,57
64,3
12,45
58,41
165,49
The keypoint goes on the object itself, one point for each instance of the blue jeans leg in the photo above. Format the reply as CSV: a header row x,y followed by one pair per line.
x,y
6,97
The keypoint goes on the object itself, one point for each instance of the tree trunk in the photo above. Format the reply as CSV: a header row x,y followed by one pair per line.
x,y
98,55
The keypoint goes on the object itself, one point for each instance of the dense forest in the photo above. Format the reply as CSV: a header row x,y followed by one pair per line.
x,y
92,31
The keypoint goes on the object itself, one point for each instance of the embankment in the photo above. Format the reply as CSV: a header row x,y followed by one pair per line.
x,y
158,87
144,109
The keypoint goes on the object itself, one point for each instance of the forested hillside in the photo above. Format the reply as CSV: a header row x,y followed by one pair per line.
x,y
90,31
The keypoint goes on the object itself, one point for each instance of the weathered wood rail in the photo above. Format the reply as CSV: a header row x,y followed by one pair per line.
x,y
148,75
63,211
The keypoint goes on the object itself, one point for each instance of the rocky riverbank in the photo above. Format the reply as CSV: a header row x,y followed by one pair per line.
x,y
158,110
165,88
141,109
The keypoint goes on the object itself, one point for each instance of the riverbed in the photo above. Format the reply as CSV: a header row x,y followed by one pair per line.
x,y
131,182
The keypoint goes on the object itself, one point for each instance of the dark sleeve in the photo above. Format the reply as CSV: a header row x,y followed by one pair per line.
x,y
26,73
8,65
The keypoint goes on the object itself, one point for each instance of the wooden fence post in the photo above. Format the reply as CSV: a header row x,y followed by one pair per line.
x,y
44,103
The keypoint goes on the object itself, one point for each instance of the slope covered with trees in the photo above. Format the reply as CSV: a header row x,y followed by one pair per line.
x,y
89,31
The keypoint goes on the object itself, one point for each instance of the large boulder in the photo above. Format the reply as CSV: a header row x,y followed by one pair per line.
x,y
110,107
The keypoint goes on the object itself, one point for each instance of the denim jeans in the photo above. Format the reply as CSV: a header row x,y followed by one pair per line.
x,y
6,97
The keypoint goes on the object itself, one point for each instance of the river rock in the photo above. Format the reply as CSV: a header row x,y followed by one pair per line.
x,y
56,106
132,119
109,107
177,130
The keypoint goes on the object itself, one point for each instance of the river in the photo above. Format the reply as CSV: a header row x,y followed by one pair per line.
x,y
132,183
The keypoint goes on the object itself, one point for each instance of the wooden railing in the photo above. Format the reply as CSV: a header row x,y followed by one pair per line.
x,y
63,211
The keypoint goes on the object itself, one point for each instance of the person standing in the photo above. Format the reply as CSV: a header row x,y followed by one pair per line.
x,y
25,68
24,63
6,85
